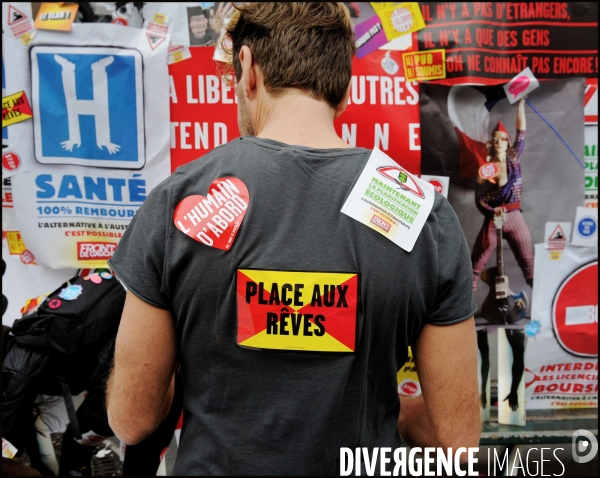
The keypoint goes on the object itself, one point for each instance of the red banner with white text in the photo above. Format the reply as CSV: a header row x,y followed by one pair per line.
x,y
489,43
383,109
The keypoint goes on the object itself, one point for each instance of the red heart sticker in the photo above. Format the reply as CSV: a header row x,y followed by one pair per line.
x,y
214,219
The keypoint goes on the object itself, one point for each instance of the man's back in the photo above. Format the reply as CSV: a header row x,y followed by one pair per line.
x,y
279,393
289,318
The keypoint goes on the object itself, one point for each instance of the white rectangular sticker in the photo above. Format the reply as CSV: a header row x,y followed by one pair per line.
x,y
585,232
8,449
521,85
390,200
557,235
178,53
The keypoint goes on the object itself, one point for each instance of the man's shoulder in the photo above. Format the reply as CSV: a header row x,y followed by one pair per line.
x,y
442,213
229,150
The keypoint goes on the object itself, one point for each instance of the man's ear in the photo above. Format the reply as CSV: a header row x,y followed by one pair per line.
x,y
342,106
248,78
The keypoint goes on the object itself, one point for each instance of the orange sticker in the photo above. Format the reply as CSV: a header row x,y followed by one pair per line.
x,y
301,311
56,16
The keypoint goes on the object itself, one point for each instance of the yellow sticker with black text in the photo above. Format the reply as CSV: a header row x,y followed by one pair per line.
x,y
15,108
400,18
302,311
56,16
16,246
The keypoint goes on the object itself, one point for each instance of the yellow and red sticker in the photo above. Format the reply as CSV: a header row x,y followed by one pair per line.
x,y
399,18
425,65
15,108
16,246
302,311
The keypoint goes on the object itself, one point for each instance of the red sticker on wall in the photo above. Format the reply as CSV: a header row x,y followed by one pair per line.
x,y
214,219
489,170
11,161
575,312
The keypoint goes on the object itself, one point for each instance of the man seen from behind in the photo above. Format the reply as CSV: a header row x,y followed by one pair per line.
x,y
289,319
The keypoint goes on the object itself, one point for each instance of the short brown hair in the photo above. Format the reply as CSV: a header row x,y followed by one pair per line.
x,y
301,45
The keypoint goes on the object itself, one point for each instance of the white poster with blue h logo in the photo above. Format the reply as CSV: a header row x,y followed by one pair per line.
x,y
98,142
88,106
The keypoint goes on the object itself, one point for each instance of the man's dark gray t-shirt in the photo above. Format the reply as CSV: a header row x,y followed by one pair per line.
x,y
257,411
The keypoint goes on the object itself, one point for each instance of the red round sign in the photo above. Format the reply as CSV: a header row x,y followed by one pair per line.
x,y
438,186
27,257
10,161
54,303
489,170
408,387
575,312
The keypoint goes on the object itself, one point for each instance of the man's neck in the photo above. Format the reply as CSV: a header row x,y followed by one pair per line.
x,y
296,118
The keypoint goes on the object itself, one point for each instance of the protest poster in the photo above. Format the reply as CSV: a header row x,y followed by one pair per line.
x,y
456,123
190,23
591,142
383,110
23,278
490,42
98,141
562,357
203,107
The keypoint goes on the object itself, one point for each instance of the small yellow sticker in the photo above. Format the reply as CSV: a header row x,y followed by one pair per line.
x,y
425,65
27,37
408,380
161,18
400,18
16,246
15,108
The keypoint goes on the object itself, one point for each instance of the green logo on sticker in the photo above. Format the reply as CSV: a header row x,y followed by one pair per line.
x,y
402,177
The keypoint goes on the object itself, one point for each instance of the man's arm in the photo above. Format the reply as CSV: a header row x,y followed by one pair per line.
x,y
141,384
447,414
